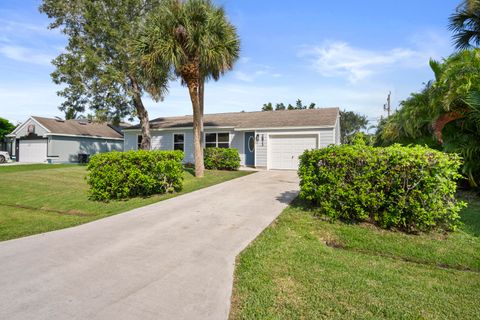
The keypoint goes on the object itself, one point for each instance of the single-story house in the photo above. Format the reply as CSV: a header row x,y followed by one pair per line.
x,y
268,139
48,140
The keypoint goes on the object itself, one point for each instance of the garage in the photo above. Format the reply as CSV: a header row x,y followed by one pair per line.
x,y
284,150
33,150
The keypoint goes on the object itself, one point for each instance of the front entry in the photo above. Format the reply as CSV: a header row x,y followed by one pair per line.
x,y
249,148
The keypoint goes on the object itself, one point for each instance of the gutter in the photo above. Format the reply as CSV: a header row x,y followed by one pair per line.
x,y
82,136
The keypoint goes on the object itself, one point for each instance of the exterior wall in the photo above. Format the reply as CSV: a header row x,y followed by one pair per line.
x,y
66,149
163,140
24,127
23,132
337,132
238,142
326,136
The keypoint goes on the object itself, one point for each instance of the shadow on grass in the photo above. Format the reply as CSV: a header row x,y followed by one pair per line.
x,y
470,216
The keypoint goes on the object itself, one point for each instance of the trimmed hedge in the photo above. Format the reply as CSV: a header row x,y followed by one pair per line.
x,y
408,188
221,159
121,175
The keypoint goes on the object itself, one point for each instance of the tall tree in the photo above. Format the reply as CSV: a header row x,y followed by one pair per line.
x,y
196,40
350,124
465,24
267,107
97,67
5,128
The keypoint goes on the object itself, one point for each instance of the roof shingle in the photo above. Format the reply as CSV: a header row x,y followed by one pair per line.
x,y
255,120
78,128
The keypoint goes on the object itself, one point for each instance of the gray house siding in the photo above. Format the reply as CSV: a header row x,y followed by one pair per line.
x,y
62,149
238,142
23,131
39,130
337,132
163,140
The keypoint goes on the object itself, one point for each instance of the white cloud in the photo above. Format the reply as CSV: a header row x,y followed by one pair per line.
x,y
339,59
242,76
255,71
24,54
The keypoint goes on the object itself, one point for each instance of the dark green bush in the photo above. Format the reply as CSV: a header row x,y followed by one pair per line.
x,y
221,158
121,175
408,188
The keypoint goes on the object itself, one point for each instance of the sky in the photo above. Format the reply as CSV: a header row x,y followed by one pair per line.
x,y
346,54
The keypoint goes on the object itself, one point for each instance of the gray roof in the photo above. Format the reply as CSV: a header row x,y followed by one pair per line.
x,y
78,128
323,117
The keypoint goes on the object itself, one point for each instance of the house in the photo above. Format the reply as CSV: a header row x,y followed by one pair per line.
x,y
268,139
62,141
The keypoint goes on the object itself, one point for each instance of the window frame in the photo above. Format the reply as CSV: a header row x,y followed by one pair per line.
x,y
178,143
139,141
216,139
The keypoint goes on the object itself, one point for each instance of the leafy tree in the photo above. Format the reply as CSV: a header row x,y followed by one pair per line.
x,y
311,105
290,107
196,40
350,124
279,107
267,107
97,67
5,128
299,105
445,114
465,24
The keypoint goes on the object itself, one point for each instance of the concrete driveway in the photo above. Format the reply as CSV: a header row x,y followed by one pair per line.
x,y
170,260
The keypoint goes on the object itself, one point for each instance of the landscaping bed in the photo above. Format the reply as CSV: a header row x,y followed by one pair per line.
x,y
41,198
308,267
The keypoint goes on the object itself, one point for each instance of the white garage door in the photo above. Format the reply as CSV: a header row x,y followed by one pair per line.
x,y
33,150
285,149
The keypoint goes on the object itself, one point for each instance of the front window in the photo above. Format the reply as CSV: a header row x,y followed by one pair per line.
x,y
139,142
217,140
179,141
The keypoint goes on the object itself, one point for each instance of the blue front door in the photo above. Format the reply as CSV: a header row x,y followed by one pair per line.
x,y
249,148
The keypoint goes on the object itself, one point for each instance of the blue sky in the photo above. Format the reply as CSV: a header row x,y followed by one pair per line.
x,y
334,53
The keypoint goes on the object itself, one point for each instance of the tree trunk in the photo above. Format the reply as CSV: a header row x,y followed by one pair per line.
x,y
197,129
201,97
142,115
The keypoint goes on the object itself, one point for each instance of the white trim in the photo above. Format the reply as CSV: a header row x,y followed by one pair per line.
x,y
23,124
173,140
236,129
217,132
81,136
181,129
284,128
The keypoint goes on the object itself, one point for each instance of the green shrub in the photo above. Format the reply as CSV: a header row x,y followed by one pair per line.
x,y
409,188
121,175
221,158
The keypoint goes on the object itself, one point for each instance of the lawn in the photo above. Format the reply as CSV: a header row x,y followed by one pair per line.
x,y
40,198
303,267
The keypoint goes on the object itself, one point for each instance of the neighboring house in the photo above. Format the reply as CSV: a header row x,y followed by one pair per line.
x,y
62,141
269,139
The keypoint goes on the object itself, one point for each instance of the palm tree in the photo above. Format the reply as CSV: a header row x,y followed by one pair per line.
x,y
465,24
197,41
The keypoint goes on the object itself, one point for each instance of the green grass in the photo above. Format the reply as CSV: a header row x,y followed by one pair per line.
x,y
41,198
303,267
